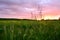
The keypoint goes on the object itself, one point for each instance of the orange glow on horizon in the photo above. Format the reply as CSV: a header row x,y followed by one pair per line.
x,y
50,18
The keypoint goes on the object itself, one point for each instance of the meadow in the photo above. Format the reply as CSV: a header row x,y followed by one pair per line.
x,y
29,30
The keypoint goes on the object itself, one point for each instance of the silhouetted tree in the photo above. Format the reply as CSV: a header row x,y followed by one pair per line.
x,y
39,7
59,18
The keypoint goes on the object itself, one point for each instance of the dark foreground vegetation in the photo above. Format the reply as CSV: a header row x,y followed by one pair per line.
x,y
29,30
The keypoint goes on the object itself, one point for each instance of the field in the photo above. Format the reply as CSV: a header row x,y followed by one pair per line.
x,y
29,30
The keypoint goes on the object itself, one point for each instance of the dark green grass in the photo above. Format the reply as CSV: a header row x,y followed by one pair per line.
x,y
29,30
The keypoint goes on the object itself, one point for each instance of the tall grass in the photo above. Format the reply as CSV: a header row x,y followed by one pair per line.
x,y
29,30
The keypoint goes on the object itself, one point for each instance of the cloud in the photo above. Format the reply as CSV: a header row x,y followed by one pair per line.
x,y
24,7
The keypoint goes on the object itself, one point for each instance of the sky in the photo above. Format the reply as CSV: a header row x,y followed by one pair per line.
x,y
23,9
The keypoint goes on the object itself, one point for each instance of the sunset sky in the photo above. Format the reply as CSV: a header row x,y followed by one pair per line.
x,y
24,8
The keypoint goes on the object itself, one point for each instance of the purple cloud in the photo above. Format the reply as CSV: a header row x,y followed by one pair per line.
x,y
21,7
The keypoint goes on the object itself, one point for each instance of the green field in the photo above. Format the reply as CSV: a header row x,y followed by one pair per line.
x,y
29,30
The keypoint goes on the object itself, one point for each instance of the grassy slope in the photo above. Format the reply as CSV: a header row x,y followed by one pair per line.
x,y
29,30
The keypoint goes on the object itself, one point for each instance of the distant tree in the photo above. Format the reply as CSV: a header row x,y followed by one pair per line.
x,y
42,19
39,7
59,18
31,15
